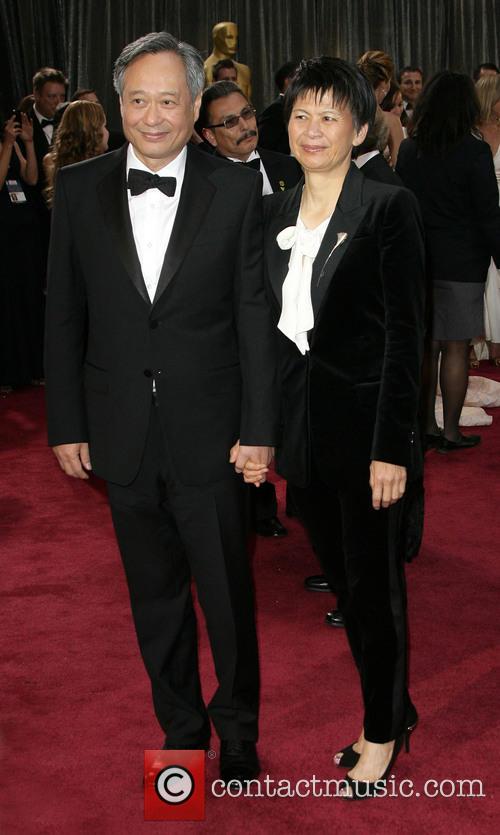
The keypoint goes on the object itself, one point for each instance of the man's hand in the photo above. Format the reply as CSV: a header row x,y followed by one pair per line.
x,y
388,483
74,459
252,461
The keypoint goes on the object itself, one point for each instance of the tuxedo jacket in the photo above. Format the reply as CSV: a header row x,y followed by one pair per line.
x,y
283,171
205,341
273,133
377,168
355,393
458,195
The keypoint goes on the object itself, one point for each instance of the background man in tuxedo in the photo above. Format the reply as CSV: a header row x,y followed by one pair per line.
x,y
273,132
159,358
411,81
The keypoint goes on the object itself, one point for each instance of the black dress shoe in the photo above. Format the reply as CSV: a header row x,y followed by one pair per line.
x,y
464,442
270,527
433,440
335,618
317,582
238,761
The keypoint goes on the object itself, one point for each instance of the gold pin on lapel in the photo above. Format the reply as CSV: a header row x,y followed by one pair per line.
x,y
281,184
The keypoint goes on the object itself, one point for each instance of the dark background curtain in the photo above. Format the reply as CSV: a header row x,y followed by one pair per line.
x,y
83,37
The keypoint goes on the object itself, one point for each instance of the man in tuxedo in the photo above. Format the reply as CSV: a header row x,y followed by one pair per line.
x,y
227,120
237,141
160,371
411,81
225,70
273,133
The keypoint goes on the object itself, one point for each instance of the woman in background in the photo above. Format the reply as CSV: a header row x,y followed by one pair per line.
x,y
488,91
21,293
378,68
81,134
450,170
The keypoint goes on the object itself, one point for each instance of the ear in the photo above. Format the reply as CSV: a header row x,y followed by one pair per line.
x,y
196,107
209,135
121,107
360,136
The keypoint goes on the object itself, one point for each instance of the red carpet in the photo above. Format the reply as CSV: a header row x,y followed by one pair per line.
x,y
76,713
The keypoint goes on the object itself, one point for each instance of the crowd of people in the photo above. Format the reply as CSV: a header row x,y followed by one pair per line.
x,y
183,348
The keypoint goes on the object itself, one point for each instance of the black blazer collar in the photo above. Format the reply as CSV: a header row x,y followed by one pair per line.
x,y
346,218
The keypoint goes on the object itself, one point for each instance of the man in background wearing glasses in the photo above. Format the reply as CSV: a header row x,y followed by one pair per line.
x,y
228,122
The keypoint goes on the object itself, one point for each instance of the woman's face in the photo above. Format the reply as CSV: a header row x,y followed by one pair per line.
x,y
381,91
322,133
397,104
105,138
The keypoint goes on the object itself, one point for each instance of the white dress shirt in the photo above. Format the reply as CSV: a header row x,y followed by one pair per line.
x,y
360,161
152,214
266,185
47,129
297,316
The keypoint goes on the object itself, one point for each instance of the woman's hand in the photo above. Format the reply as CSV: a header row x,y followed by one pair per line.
x,y
11,130
26,132
388,483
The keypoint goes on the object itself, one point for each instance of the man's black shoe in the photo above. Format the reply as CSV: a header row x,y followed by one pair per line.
x,y
270,527
238,761
334,618
317,582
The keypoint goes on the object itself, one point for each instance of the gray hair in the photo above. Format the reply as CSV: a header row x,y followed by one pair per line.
x,y
162,42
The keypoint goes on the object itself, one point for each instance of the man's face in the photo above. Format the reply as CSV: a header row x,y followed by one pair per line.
x,y
226,39
49,97
227,74
411,86
157,110
238,141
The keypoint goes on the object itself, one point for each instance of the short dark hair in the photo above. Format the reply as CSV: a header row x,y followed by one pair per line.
x,y
446,111
285,71
346,83
82,91
486,66
410,68
223,64
48,74
387,102
218,90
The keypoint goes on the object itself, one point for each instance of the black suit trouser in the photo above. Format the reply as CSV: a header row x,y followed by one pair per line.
x,y
361,551
168,533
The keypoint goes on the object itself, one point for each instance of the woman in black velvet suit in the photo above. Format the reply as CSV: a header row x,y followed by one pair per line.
x,y
345,271
451,172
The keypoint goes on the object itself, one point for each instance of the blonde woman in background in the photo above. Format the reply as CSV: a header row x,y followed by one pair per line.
x,y
82,134
378,68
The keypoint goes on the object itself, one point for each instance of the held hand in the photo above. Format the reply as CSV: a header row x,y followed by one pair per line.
x,y
74,459
254,473
258,455
388,483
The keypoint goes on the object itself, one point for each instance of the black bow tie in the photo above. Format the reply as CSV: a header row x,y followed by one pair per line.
x,y
46,122
139,181
254,163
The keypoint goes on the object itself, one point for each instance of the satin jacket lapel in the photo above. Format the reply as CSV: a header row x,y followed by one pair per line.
x,y
196,195
346,219
278,258
112,193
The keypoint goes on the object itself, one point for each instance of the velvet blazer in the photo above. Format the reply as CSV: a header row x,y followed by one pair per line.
x,y
355,394
206,340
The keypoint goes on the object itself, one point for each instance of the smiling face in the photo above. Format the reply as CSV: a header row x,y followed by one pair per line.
x,y
157,110
237,142
49,98
322,134
411,86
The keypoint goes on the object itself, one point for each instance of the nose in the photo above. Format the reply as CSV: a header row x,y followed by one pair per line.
x,y
152,115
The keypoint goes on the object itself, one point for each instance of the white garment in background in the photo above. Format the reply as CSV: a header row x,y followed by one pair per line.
x,y
492,291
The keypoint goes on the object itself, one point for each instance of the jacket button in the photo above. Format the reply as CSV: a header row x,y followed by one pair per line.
x,y
154,324
148,372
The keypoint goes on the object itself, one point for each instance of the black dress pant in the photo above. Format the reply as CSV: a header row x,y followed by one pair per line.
x,y
361,551
168,533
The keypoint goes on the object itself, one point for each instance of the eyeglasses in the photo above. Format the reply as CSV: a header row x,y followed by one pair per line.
x,y
231,121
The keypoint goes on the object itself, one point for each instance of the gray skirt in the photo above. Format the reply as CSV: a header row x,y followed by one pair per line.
x,y
458,310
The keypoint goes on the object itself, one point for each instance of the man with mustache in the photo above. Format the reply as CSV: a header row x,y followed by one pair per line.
x,y
228,121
